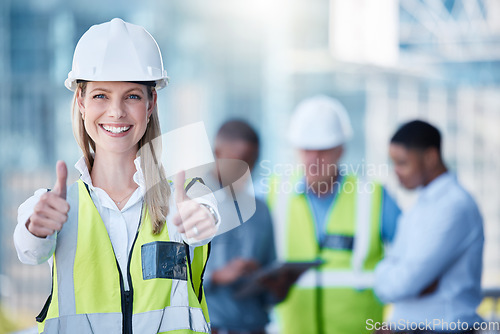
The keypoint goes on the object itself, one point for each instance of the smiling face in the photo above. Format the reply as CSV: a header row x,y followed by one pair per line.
x,y
116,114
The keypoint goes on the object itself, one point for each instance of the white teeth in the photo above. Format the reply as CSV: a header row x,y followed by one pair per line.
x,y
113,129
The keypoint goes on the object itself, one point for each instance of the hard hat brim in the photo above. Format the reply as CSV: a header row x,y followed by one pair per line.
x,y
72,83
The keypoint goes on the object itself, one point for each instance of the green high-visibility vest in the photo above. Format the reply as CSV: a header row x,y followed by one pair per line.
x,y
336,297
165,279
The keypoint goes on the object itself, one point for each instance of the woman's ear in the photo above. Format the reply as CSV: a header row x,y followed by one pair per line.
x,y
152,102
81,105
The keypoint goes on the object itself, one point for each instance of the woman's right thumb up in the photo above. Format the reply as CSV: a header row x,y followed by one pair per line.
x,y
62,177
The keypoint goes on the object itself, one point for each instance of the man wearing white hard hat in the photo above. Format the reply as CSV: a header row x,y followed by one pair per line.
x,y
332,216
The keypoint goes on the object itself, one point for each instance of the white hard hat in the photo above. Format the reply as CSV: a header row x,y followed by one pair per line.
x,y
117,51
319,123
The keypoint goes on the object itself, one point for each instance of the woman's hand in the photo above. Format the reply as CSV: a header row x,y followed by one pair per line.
x,y
192,218
51,211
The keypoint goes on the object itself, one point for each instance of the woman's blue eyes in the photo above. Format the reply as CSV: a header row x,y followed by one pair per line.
x,y
131,96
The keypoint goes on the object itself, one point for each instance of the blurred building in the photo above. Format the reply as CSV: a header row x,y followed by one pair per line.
x,y
389,62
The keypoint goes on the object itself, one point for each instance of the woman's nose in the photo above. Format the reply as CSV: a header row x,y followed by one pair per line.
x,y
116,109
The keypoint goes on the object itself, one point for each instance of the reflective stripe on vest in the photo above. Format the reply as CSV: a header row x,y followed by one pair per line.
x,y
336,279
87,289
363,230
278,201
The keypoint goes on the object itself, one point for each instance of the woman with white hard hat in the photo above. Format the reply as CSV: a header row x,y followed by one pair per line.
x,y
122,249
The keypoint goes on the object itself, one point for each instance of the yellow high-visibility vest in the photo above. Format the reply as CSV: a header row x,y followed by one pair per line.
x,y
165,279
337,297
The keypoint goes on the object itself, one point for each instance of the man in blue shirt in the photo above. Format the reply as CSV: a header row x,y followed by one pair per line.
x,y
433,272
241,248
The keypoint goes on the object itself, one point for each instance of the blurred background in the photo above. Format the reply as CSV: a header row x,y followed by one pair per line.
x,y
387,61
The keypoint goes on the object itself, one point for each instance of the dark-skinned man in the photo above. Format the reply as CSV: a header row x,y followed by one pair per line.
x,y
433,272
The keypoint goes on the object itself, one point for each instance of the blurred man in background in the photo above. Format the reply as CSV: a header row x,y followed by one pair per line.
x,y
324,212
433,272
237,252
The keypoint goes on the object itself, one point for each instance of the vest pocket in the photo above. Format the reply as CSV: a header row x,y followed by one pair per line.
x,y
164,259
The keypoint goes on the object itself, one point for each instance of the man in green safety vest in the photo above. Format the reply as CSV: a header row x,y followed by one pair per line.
x,y
323,212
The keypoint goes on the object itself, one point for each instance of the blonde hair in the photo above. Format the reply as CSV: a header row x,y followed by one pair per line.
x,y
157,196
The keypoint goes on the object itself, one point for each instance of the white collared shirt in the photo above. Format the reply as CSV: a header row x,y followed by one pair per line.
x,y
121,224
